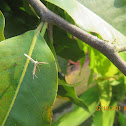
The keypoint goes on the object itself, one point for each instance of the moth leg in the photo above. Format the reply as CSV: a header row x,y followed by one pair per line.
x,y
38,67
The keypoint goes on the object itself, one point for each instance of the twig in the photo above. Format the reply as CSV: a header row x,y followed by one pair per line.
x,y
121,48
106,48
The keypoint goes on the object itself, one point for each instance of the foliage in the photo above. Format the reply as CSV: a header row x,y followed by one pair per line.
x,y
25,100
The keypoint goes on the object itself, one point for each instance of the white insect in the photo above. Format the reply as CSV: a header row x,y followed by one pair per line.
x,y
35,64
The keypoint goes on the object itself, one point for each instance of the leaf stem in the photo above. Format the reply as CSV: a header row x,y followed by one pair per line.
x,y
44,29
39,28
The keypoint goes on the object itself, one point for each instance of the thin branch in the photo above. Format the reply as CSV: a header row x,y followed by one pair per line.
x,y
121,48
104,47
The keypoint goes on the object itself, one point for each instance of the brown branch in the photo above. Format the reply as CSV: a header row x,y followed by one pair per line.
x,y
104,47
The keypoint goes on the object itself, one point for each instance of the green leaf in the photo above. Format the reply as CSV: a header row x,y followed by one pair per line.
x,y
97,120
51,46
92,58
105,91
78,115
29,9
104,66
124,82
118,91
100,64
69,92
66,47
19,22
109,116
112,12
2,23
105,117
81,61
116,82
122,119
123,55
63,64
90,79
24,100
4,6
91,22
26,7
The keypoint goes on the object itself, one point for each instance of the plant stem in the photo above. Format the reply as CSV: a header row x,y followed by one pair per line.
x,y
43,29
121,48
